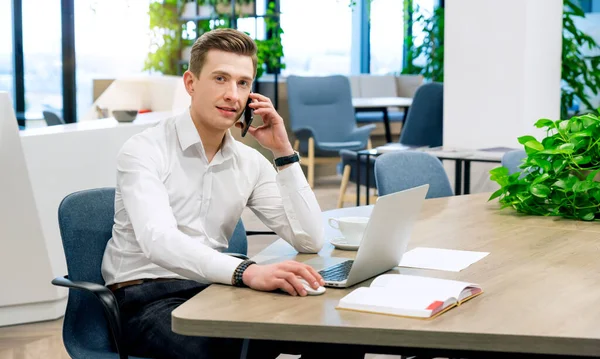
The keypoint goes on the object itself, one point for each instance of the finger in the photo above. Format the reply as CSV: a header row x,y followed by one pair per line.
x,y
308,277
259,97
257,105
294,281
286,287
316,274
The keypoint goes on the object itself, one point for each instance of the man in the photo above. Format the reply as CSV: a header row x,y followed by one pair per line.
x,y
181,188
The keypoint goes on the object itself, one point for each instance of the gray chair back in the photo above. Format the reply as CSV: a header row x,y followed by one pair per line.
x,y
398,171
424,125
512,160
322,104
52,119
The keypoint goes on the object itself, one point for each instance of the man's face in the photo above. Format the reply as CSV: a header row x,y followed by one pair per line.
x,y
220,92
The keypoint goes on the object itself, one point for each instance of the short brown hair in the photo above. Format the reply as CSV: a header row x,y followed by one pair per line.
x,y
224,39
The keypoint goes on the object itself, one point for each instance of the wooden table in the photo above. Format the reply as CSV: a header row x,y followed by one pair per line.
x,y
382,104
541,285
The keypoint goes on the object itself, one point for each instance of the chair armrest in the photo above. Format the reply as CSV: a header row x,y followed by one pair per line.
x,y
304,133
362,133
109,303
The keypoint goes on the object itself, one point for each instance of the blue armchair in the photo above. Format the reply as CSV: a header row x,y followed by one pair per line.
x,y
398,171
423,126
92,325
323,120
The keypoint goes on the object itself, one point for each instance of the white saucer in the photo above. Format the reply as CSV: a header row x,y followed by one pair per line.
x,y
340,243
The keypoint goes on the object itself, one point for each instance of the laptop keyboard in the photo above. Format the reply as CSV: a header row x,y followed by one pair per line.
x,y
338,272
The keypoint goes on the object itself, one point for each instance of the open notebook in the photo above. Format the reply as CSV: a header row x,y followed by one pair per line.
x,y
409,296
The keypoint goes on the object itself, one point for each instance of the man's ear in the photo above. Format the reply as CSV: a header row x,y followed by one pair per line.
x,y
188,81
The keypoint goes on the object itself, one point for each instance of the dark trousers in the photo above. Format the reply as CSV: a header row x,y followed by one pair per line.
x,y
146,320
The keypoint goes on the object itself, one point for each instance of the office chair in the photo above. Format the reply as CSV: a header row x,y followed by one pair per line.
x,y
398,171
424,126
92,325
513,159
323,120
52,119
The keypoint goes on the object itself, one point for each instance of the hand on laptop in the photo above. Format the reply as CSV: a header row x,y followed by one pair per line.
x,y
285,276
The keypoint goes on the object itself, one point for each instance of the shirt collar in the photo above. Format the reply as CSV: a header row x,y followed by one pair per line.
x,y
186,131
188,136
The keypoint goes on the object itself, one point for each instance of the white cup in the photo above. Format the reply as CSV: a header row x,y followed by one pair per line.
x,y
352,228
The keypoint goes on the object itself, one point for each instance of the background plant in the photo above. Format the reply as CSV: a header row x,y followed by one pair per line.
x,y
580,73
170,36
165,31
558,174
431,49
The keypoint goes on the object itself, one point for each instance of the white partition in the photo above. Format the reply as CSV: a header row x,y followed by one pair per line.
x,y
502,70
39,167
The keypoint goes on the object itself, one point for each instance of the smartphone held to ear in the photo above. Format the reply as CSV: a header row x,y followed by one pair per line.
x,y
247,118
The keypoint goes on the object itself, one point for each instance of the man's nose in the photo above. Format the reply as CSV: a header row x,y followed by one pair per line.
x,y
232,93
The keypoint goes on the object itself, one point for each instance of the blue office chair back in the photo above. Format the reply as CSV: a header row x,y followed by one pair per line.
x,y
424,124
85,220
398,171
513,159
323,104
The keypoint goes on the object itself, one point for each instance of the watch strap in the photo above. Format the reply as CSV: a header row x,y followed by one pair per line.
x,y
286,160
238,273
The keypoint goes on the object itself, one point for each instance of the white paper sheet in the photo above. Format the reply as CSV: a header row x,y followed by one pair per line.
x,y
440,259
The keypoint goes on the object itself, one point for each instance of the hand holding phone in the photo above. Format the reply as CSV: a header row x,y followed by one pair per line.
x,y
248,117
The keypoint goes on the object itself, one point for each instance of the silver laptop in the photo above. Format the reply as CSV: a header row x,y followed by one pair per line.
x,y
384,240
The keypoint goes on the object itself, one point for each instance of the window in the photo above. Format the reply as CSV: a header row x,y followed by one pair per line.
x,y
6,51
317,36
112,39
42,56
387,36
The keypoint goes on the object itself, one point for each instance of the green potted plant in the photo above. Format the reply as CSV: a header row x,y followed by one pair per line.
x,y
559,175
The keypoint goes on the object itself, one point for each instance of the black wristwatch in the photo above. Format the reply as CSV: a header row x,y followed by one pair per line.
x,y
238,274
282,161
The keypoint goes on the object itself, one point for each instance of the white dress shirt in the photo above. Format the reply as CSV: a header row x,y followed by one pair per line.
x,y
175,211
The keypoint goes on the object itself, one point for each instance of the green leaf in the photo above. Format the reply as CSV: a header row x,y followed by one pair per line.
x,y
543,164
589,216
501,171
540,190
524,139
566,146
584,133
544,122
541,178
582,160
590,177
560,184
535,145
558,165
496,194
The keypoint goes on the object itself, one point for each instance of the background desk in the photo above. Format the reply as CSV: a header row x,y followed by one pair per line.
x,y
382,104
541,286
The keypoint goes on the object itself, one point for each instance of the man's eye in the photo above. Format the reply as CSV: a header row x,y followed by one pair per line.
x,y
220,78
244,83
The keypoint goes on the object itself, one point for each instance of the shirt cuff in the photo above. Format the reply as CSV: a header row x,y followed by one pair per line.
x,y
292,177
222,268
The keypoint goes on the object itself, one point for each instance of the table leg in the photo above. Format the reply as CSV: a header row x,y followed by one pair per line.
x,y
457,176
386,122
467,183
368,167
357,179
